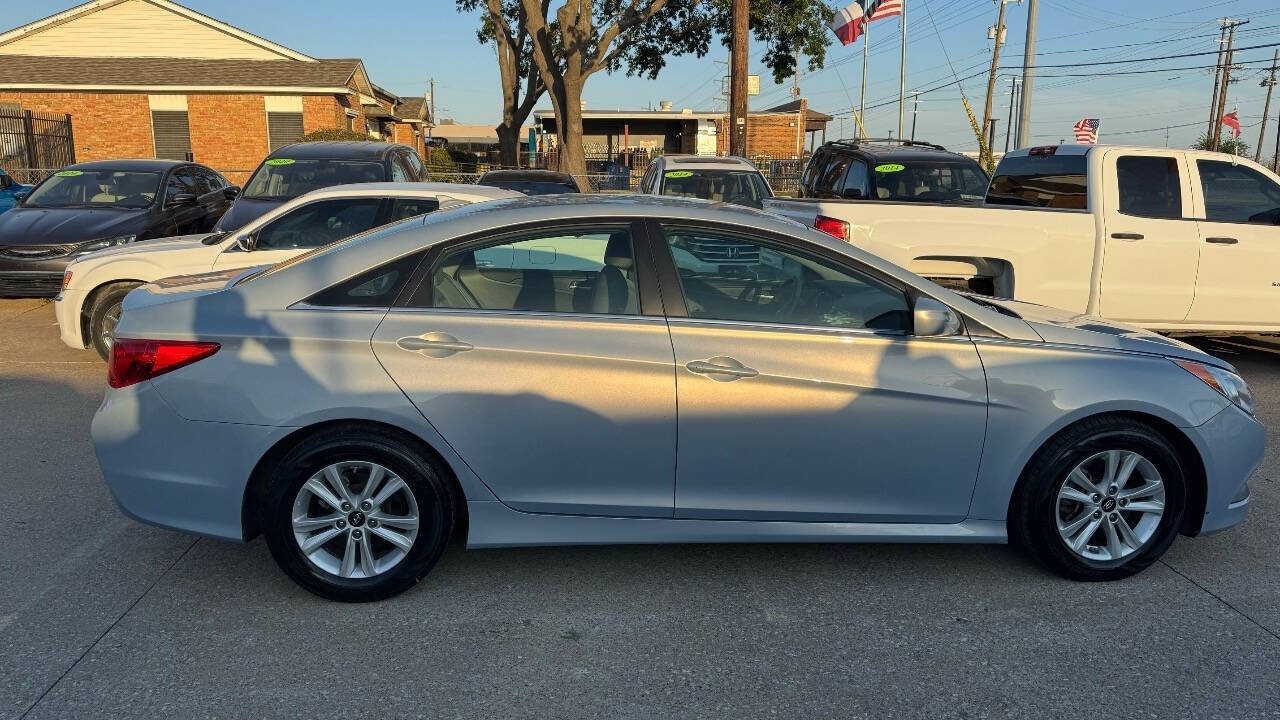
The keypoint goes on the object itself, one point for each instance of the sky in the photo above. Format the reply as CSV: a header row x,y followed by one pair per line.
x,y
403,44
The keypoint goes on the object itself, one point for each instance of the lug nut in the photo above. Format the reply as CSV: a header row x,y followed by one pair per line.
x,y
366,506
373,523
1097,514
357,534
1124,503
342,524
1096,497
1112,517
346,507
1111,490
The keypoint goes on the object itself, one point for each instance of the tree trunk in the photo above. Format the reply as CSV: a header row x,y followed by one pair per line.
x,y
573,158
508,145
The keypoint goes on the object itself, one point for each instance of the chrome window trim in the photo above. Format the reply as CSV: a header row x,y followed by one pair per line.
x,y
527,313
303,305
826,329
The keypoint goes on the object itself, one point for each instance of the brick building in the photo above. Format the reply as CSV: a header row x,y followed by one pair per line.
x,y
151,78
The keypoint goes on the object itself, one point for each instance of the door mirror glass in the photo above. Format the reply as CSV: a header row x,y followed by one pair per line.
x,y
933,319
5,181
21,197
231,191
182,199
247,242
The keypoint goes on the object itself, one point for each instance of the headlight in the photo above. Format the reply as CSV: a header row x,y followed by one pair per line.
x,y
95,245
1231,385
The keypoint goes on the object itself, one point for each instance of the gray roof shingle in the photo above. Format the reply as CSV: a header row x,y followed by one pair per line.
x,y
180,72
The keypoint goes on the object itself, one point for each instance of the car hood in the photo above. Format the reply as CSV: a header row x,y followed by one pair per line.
x,y
66,226
162,245
1068,328
244,211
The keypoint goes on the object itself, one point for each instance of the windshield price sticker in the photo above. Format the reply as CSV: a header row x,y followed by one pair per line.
x,y
280,161
890,168
69,173
680,174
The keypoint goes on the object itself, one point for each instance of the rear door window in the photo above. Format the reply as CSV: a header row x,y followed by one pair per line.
x,y
1046,181
1149,186
832,177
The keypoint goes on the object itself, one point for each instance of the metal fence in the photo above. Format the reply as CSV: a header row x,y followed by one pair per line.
x,y
30,140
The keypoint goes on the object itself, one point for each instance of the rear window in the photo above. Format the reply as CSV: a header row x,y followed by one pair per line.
x,y
1046,181
532,187
740,187
916,181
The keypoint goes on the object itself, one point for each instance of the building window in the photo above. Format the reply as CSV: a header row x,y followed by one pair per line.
x,y
170,127
284,120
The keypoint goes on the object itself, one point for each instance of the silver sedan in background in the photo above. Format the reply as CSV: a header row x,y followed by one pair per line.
x,y
610,369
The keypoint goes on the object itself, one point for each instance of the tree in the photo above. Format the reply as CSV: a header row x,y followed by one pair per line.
x,y
504,25
1230,146
333,134
587,36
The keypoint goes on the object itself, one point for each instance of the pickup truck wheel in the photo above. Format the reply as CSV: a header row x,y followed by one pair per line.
x,y
105,315
1101,501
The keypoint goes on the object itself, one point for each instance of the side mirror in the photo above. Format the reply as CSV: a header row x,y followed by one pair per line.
x,y
247,242
933,319
21,197
181,199
853,193
5,181
231,191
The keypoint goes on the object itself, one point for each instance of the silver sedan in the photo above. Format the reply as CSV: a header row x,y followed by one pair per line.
x,y
594,369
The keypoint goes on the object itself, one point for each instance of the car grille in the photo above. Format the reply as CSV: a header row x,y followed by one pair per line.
x,y
35,252
30,284
721,252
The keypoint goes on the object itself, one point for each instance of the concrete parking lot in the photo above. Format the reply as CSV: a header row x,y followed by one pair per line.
x,y
103,617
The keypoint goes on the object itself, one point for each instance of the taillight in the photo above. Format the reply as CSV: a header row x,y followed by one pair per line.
x,y
133,361
837,229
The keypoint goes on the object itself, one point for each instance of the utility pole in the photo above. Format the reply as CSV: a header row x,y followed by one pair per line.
x,y
1013,93
1269,83
902,73
1028,75
1226,82
795,79
431,82
1217,77
991,137
998,36
915,112
738,81
866,53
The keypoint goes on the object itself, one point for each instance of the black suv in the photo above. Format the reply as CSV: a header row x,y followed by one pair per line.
x,y
893,171
296,169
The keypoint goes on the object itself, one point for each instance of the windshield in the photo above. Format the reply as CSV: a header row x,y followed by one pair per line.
x,y
96,188
286,178
741,187
928,182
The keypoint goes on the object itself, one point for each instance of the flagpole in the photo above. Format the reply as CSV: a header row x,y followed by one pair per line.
x,y
862,104
902,74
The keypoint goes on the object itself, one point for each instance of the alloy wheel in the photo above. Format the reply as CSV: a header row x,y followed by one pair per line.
x,y
1110,505
110,319
355,519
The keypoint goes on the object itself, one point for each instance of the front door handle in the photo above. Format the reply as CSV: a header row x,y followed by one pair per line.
x,y
725,367
1222,240
434,344
1127,236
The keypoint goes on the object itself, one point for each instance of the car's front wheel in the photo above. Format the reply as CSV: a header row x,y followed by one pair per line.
x,y
1102,501
105,315
357,515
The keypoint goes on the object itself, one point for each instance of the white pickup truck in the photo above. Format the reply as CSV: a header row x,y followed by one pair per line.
x,y
1171,240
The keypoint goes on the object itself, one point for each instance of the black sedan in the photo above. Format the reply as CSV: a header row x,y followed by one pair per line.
x,y
530,182
96,205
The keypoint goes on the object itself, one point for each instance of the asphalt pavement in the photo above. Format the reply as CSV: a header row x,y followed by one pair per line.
x,y
103,617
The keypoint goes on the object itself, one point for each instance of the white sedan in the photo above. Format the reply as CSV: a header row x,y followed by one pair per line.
x,y
94,286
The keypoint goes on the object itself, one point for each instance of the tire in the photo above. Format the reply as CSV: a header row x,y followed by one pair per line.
x,y
427,494
105,314
1044,510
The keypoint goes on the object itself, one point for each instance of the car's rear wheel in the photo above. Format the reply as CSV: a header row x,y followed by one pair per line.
x,y
1102,501
105,315
357,515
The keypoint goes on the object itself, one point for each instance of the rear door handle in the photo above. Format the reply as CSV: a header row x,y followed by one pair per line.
x,y
1222,240
1127,236
726,368
434,344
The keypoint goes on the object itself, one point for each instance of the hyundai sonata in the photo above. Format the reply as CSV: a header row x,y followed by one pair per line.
x,y
595,369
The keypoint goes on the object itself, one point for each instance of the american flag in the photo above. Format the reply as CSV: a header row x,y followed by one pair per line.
x,y
1086,131
848,23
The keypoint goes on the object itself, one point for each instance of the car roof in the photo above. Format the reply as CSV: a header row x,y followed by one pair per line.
x,y
413,189
707,162
138,164
337,150
533,175
905,151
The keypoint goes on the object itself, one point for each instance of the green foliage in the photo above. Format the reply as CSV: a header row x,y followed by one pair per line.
x,y
1228,145
440,162
333,134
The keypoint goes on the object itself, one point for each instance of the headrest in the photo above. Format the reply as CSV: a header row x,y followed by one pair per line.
x,y
618,252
